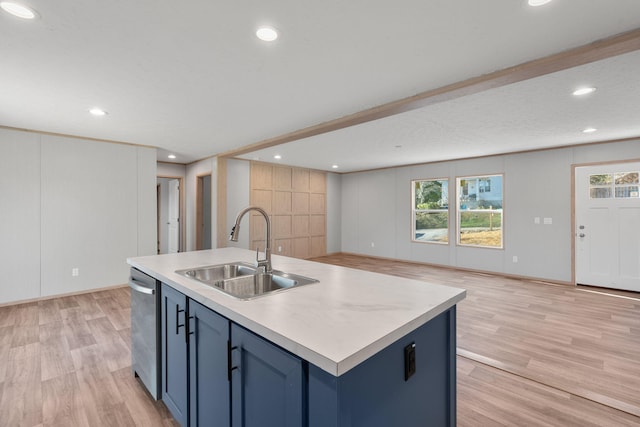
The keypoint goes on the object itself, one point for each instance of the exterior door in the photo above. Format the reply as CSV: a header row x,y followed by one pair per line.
x,y
173,220
607,219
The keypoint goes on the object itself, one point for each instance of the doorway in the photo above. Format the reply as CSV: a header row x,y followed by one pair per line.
x,y
203,212
170,227
607,225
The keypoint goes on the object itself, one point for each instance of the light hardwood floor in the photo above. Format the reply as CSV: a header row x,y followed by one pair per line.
x,y
536,354
529,354
67,362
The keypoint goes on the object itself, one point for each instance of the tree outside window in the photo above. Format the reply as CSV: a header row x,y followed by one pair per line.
x,y
430,211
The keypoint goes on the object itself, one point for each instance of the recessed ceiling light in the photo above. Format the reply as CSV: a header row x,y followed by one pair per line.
x,y
589,130
171,156
98,112
584,91
335,166
19,10
267,34
538,2
277,157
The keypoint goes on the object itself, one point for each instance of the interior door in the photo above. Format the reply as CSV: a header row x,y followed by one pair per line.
x,y
173,220
607,219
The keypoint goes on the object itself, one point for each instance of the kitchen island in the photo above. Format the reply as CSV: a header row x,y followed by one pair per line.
x,y
353,340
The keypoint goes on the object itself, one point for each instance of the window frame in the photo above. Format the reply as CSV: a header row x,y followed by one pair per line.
x,y
414,210
459,211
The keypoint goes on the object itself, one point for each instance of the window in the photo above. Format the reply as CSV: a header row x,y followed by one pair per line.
x,y
430,211
623,185
480,211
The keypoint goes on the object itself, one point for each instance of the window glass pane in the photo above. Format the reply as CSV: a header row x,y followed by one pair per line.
x,y
432,226
600,179
627,178
627,192
431,211
600,192
480,211
433,194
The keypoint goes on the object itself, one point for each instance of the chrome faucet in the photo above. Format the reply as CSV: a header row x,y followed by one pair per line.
x,y
266,262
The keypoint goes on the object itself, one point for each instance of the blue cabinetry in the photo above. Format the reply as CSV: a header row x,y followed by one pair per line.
x,y
218,374
268,384
209,383
174,353
376,393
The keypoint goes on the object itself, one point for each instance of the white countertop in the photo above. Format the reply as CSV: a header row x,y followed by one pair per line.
x,y
335,324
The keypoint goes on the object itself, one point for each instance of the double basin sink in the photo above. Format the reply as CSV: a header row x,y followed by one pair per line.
x,y
243,280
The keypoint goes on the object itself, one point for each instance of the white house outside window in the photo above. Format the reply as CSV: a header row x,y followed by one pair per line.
x,y
480,211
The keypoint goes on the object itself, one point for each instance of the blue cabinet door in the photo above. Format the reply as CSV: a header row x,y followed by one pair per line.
x,y
174,353
268,385
209,383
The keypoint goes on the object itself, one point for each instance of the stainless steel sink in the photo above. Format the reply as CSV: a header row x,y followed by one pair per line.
x,y
214,273
244,281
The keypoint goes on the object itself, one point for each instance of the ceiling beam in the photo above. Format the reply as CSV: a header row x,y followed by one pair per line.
x,y
592,52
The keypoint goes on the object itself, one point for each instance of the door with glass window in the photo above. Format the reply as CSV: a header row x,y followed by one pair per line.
x,y
607,219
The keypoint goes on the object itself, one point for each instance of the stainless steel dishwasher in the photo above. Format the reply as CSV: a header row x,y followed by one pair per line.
x,y
145,330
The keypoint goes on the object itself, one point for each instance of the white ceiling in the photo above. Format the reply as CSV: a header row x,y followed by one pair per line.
x,y
197,82
533,114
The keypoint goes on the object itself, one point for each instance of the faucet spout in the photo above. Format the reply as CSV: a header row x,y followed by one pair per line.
x,y
266,262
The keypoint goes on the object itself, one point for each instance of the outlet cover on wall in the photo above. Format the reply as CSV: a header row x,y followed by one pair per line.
x,y
515,259
548,221
75,272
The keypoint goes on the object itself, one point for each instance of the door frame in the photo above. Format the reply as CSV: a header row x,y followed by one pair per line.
x,y
182,209
573,206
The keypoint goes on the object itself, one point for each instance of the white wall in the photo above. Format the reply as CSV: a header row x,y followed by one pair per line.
x,y
171,170
72,203
238,188
376,208
334,213
19,215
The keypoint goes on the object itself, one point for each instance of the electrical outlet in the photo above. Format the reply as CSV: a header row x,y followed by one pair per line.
x,y
75,272
373,245
515,259
279,248
536,220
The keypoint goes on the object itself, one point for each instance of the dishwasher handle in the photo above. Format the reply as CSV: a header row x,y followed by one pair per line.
x,y
138,287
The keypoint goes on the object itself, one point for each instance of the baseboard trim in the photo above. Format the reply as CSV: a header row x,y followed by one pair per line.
x,y
69,294
539,280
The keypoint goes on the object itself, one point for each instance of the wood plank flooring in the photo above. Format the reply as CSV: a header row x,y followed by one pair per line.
x,y
536,354
529,354
67,362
